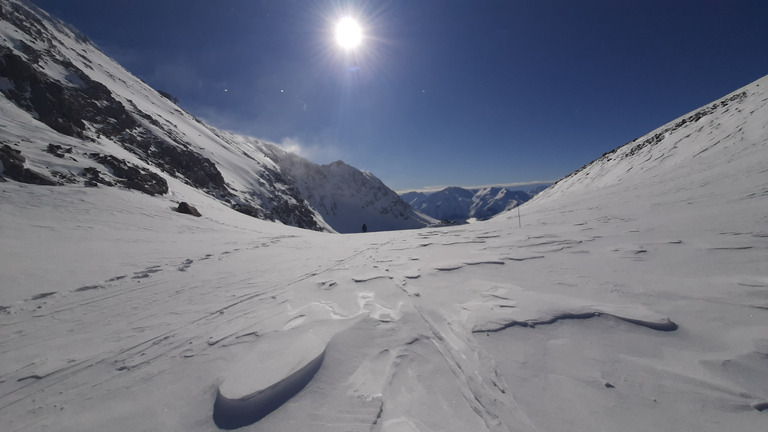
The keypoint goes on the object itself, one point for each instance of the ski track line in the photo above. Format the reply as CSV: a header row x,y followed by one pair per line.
x,y
94,361
477,398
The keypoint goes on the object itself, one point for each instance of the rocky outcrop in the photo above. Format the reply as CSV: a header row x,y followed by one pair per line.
x,y
186,208
13,166
132,176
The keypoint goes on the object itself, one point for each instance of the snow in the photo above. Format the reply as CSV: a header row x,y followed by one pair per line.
x,y
346,198
637,305
634,297
460,204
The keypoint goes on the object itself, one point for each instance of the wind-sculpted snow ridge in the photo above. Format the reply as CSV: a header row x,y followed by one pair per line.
x,y
660,323
236,412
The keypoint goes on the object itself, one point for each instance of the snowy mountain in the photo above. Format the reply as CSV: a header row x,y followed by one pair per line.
x,y
633,298
347,198
460,204
96,124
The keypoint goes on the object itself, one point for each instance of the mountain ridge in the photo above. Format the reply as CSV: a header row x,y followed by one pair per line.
x,y
458,204
128,133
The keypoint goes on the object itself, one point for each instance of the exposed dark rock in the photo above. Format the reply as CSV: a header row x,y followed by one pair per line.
x,y
67,109
58,150
249,210
93,177
181,163
168,96
132,176
185,208
65,177
13,166
13,155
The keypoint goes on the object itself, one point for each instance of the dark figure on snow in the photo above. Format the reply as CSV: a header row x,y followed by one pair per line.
x,y
365,228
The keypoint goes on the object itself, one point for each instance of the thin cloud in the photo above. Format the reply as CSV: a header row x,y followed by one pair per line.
x,y
316,152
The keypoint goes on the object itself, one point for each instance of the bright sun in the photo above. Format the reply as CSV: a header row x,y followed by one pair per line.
x,y
348,32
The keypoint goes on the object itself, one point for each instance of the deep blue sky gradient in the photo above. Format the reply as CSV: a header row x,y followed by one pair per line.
x,y
444,92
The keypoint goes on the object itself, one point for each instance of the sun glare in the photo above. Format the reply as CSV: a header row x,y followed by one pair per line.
x,y
348,32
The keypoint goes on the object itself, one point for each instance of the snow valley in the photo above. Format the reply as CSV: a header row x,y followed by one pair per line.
x,y
634,297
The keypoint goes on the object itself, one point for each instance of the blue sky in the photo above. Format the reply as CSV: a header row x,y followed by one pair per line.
x,y
442,92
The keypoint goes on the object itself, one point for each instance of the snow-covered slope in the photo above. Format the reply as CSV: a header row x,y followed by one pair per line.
x,y
717,147
347,198
460,204
108,128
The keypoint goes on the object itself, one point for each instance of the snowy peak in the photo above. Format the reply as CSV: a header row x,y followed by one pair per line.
x,y
79,118
459,204
347,198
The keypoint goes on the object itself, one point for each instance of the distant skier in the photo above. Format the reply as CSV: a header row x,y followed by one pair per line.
x,y
365,228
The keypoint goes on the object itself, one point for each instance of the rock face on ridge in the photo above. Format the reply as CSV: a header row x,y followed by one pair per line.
x,y
118,131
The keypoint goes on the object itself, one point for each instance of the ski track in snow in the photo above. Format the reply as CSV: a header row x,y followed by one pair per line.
x,y
388,293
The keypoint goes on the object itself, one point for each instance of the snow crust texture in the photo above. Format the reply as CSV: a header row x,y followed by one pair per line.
x,y
634,297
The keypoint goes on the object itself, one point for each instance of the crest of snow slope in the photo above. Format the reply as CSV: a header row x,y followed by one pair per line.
x,y
347,198
716,148
45,57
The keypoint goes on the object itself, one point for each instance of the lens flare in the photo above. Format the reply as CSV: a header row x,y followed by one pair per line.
x,y
348,32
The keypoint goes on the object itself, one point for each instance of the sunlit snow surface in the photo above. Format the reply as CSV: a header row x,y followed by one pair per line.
x,y
634,297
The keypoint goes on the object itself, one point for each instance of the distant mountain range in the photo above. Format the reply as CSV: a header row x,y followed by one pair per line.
x,y
74,116
460,204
